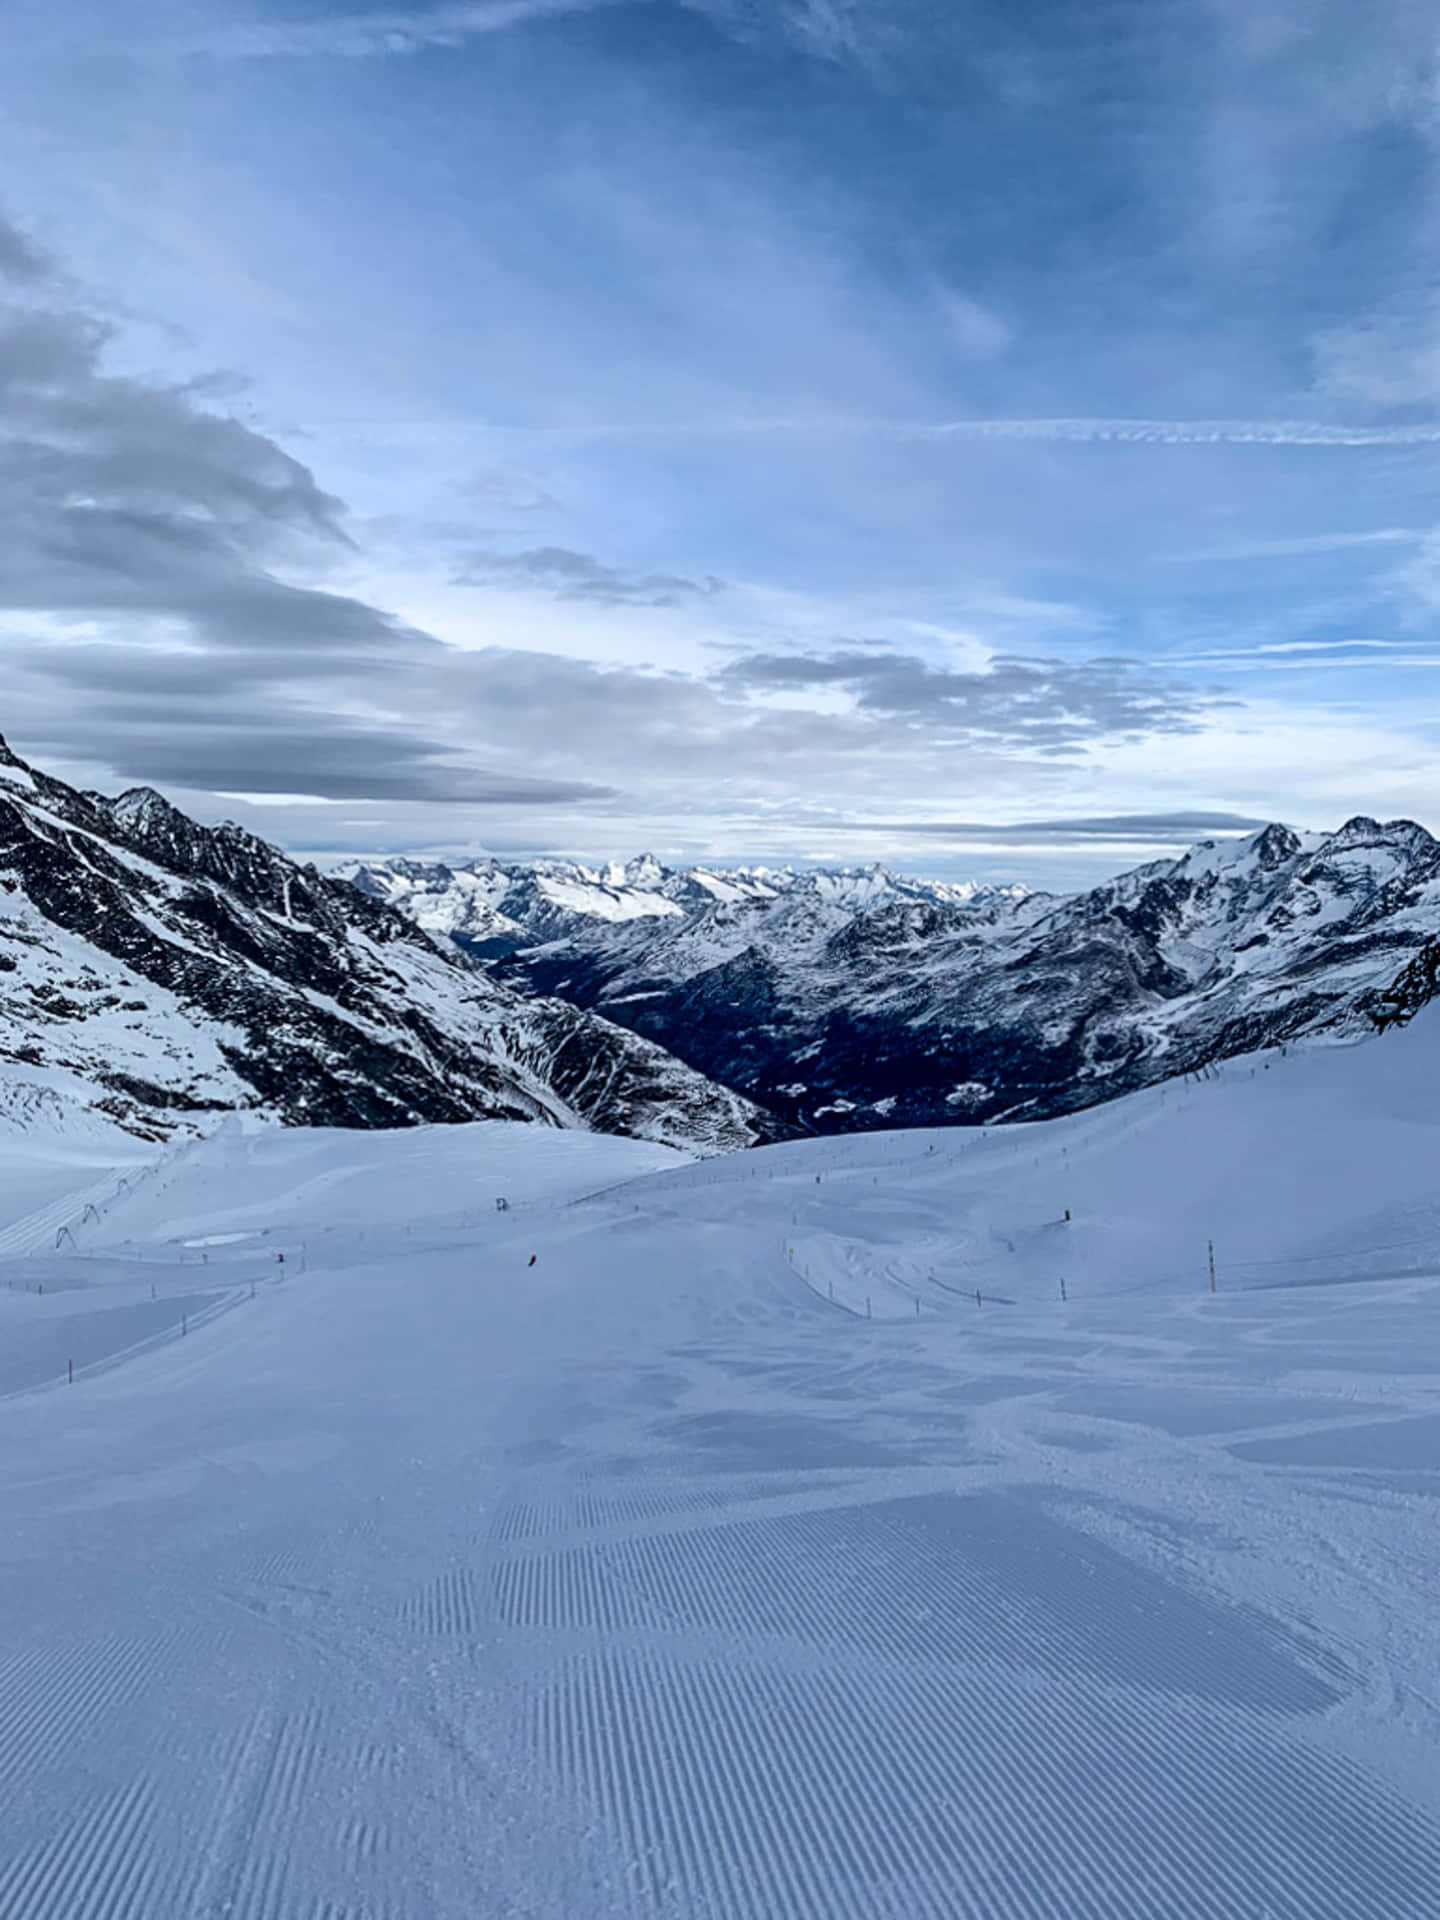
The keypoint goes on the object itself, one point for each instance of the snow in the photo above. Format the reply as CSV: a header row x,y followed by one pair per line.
x,y
250,1015
731,1561
606,902
57,1156
732,888
533,899
80,1015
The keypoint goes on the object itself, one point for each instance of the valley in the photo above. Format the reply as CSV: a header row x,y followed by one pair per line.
x,y
852,999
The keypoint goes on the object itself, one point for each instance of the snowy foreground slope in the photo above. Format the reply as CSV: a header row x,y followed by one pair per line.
x,y
649,1580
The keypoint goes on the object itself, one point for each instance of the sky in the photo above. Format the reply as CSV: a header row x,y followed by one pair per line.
x,y
997,440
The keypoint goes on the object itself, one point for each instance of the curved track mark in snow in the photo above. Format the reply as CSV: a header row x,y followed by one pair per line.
x,y
248,1864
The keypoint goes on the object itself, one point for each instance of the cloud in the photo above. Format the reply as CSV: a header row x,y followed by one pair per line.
x,y
1052,705
831,29
579,576
1144,829
22,262
105,479
504,490
913,46
148,628
177,606
1313,656
361,36
1389,361
150,631
411,722
260,748
1178,433
1077,431
975,330
1302,546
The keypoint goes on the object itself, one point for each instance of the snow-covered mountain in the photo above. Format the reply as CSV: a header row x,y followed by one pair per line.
x,y
153,969
494,907
859,999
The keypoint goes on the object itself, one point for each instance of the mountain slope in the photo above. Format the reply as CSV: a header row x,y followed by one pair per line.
x,y
154,968
845,1001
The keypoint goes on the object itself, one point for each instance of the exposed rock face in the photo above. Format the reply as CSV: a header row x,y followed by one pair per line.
x,y
174,969
842,1001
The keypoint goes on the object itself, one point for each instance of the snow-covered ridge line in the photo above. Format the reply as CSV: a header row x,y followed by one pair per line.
x,y
493,904
155,972
856,998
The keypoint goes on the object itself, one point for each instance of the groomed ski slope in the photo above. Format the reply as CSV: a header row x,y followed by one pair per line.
x,y
421,1583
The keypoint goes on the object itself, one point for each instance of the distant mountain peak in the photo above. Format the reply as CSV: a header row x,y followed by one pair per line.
x,y
138,804
1362,831
1275,844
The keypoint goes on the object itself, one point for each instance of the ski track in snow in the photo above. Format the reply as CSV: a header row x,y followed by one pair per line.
x,y
651,1583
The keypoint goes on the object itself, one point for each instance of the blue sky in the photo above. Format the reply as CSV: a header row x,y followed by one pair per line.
x,y
752,428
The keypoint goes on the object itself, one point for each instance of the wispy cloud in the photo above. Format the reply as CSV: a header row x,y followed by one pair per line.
x,y
1304,546
1300,646
361,36
1077,431
1189,433
580,576
502,490
1335,663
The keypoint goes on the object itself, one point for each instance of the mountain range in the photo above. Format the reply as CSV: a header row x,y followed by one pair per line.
x,y
854,998
154,971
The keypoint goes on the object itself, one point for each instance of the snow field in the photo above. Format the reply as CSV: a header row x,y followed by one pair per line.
x,y
648,1581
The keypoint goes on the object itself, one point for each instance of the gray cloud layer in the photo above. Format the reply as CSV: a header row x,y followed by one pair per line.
x,y
1048,704
1141,829
21,261
129,504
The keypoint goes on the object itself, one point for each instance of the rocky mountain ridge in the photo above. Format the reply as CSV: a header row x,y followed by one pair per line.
x,y
158,971
860,999
493,907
